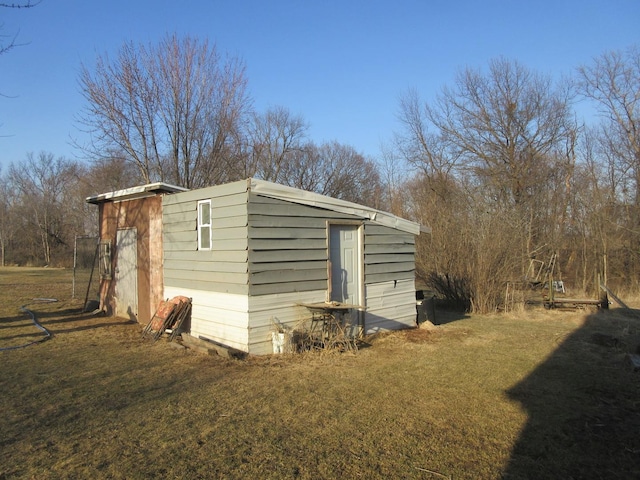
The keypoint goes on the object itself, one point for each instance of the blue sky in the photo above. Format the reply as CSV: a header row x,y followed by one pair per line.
x,y
342,65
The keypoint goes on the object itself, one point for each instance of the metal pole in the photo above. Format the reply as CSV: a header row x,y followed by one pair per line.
x,y
93,266
75,260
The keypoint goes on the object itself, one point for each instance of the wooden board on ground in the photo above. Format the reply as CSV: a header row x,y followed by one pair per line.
x,y
613,295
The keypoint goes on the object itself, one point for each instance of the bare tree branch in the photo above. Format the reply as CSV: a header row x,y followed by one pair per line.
x,y
174,109
27,4
11,44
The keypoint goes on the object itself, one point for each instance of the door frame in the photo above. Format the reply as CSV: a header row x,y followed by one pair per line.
x,y
361,301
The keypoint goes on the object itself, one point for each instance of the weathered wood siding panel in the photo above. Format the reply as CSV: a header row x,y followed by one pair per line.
x,y
237,257
389,266
389,255
283,309
274,207
390,306
287,246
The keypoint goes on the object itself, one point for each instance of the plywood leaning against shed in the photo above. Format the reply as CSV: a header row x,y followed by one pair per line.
x,y
270,252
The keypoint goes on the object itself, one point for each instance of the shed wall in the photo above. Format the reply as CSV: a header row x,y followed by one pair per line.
x,y
267,311
288,246
390,306
145,215
216,280
223,268
389,257
217,316
288,265
270,255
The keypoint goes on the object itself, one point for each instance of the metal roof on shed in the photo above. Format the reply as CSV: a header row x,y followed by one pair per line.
x,y
278,191
140,191
290,194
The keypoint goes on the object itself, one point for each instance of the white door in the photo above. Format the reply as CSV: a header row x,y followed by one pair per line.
x,y
126,274
346,270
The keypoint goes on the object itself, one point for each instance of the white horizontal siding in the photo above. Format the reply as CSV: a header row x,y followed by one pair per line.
x,y
283,309
221,317
390,306
206,286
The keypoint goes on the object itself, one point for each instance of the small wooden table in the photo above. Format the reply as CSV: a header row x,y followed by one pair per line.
x,y
328,326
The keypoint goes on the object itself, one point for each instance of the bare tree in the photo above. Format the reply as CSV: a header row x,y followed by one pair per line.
x,y
11,43
332,169
421,147
122,111
592,235
505,124
277,139
7,220
510,128
174,109
45,188
506,139
394,172
612,81
348,175
470,253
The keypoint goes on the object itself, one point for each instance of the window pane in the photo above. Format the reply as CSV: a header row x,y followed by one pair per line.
x,y
205,238
205,214
105,259
204,225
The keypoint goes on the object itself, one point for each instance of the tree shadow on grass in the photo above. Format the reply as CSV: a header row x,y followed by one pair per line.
x,y
71,320
59,322
583,405
78,327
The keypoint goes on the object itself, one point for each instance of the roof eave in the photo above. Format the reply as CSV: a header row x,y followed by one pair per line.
x,y
282,192
140,191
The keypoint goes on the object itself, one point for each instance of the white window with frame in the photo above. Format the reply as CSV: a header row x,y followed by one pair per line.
x,y
204,225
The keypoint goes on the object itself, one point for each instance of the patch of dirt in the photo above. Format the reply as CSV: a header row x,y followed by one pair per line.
x,y
420,335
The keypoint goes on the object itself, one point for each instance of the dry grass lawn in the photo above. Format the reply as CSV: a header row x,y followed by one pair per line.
x,y
541,395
